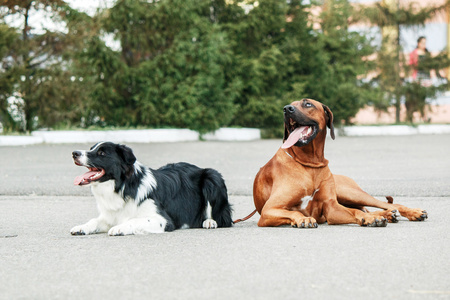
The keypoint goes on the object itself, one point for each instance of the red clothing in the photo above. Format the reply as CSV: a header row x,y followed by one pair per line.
x,y
414,61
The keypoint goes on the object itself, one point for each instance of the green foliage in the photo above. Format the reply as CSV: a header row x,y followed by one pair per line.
x,y
163,76
401,13
199,64
34,71
345,63
185,85
295,62
8,37
416,93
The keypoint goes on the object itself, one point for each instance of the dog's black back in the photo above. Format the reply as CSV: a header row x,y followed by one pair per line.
x,y
184,190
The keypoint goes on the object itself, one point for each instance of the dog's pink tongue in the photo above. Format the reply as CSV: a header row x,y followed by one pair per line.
x,y
79,179
294,137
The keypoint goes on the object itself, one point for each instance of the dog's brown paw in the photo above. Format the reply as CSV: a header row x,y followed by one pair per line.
x,y
422,217
391,215
306,222
414,214
370,220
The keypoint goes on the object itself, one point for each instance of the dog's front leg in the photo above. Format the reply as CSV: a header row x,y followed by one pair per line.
x,y
153,224
276,216
96,225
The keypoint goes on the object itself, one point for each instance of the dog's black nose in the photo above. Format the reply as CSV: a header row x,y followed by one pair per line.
x,y
288,109
76,154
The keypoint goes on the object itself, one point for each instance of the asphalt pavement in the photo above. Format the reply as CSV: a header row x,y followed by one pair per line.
x,y
39,259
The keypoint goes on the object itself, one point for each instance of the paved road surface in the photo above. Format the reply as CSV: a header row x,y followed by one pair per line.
x,y
409,260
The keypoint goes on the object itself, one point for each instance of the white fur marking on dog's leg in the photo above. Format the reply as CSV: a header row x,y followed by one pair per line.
x,y
209,223
96,225
208,210
154,224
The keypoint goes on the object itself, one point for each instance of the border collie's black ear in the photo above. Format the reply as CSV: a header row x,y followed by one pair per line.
x,y
329,120
128,157
126,154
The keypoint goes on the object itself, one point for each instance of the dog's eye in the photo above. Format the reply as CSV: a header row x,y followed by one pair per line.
x,y
307,104
101,153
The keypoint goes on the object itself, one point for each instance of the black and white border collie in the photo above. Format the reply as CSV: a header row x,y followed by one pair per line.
x,y
134,199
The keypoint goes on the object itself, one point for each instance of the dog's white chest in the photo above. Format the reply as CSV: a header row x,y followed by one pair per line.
x,y
107,199
115,209
305,200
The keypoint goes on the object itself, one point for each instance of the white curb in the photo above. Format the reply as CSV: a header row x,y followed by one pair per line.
x,y
393,130
12,140
118,136
233,134
130,136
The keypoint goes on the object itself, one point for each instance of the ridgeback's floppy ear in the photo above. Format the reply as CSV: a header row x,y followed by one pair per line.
x,y
329,120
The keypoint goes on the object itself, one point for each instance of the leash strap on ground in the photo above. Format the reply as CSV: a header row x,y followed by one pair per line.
x,y
246,218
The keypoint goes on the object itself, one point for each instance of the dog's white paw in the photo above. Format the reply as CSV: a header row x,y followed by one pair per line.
x,y
81,230
209,224
93,226
122,229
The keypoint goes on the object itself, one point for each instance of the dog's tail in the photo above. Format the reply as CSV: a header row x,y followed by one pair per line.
x,y
246,218
215,192
390,199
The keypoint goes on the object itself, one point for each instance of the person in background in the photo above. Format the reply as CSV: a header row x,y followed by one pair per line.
x,y
416,98
419,55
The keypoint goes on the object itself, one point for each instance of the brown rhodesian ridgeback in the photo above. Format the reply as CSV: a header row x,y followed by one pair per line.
x,y
296,186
